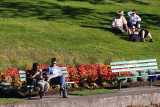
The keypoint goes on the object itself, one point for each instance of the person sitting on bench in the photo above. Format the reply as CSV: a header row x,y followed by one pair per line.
x,y
54,75
36,75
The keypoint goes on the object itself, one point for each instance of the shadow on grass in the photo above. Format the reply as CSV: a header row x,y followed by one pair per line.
x,y
41,10
52,11
95,2
133,1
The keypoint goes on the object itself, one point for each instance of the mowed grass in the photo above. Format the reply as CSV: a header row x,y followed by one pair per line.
x,y
82,26
87,92
10,100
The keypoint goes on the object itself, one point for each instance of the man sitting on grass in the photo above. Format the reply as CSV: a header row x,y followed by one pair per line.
x,y
119,22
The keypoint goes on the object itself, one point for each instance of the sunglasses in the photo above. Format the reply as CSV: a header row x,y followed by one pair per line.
x,y
132,28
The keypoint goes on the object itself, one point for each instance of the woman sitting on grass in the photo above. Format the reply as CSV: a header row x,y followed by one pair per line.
x,y
137,36
36,74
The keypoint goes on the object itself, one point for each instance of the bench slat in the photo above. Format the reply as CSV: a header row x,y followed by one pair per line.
x,y
134,61
70,82
137,76
21,72
134,65
63,72
135,69
24,75
63,68
65,75
23,79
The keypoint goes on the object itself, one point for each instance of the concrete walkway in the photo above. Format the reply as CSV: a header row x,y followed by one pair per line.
x,y
125,97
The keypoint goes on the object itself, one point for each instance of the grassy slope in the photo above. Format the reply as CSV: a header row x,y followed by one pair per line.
x,y
10,100
75,25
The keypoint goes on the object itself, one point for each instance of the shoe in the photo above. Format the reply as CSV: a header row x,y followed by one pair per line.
x,y
151,40
65,96
143,39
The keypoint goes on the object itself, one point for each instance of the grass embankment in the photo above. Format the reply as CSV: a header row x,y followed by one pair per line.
x,y
10,100
33,30
87,92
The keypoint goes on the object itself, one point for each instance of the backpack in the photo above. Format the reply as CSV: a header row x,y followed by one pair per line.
x,y
135,38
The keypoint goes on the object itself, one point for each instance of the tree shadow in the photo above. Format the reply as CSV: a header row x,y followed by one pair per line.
x,y
41,10
95,2
150,19
133,1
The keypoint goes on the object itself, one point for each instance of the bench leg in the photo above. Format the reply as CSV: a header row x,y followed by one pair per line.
x,y
120,84
150,84
61,92
29,96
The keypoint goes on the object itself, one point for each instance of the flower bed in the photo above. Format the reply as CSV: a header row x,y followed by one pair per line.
x,y
84,75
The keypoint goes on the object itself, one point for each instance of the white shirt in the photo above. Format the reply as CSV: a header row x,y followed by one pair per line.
x,y
56,71
131,18
119,21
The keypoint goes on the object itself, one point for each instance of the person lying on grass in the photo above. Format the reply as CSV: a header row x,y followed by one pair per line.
x,y
137,36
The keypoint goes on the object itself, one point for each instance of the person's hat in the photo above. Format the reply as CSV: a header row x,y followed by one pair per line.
x,y
121,13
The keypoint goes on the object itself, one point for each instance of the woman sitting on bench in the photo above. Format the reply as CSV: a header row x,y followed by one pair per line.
x,y
36,74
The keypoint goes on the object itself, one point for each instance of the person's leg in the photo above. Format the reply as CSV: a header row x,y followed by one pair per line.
x,y
63,85
41,84
60,80
46,85
151,39
138,24
142,35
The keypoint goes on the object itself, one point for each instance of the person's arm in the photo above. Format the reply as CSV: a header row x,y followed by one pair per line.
x,y
137,19
35,75
47,74
129,31
59,71
126,26
129,13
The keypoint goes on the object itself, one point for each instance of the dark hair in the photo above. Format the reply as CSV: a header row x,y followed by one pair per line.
x,y
53,59
35,65
134,11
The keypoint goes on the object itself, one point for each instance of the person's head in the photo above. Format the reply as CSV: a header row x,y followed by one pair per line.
x,y
36,66
120,14
133,28
54,61
134,12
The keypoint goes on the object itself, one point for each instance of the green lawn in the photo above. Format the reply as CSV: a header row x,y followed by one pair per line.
x,y
76,30
10,100
86,92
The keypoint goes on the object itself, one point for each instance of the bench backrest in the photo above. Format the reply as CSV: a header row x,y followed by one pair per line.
x,y
124,66
22,75
64,71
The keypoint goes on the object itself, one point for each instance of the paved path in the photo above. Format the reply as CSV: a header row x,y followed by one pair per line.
x,y
92,100
122,92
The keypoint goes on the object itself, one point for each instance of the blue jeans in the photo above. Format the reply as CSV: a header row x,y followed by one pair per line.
x,y
60,80
131,23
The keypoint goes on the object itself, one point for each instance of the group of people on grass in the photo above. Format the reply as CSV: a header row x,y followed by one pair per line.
x,y
53,74
120,25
